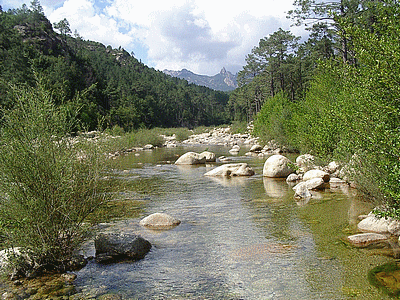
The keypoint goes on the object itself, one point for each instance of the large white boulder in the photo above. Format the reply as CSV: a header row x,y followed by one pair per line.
x,y
379,225
277,166
191,158
239,169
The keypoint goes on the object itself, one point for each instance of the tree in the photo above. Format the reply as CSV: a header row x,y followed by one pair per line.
x,y
63,27
36,7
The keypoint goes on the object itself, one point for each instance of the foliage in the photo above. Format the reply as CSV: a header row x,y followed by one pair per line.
x,y
274,121
49,183
112,85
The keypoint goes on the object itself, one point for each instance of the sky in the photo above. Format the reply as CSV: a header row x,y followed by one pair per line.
x,y
202,36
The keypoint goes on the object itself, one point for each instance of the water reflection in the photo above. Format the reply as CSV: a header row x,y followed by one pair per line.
x,y
276,187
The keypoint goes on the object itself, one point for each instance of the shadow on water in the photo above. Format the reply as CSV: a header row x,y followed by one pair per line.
x,y
240,238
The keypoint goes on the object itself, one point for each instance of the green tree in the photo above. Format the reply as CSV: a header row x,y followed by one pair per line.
x,y
63,27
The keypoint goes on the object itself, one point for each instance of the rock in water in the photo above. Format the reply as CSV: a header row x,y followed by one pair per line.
x,y
191,158
112,247
209,156
366,239
316,174
277,166
159,221
240,169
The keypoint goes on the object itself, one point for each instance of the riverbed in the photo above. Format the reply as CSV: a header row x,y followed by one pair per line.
x,y
240,238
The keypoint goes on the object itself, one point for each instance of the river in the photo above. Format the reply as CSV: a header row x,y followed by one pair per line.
x,y
240,238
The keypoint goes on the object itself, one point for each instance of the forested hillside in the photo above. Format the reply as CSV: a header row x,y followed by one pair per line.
x,y
335,95
109,86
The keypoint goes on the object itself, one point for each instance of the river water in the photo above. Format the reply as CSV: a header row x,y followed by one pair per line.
x,y
240,238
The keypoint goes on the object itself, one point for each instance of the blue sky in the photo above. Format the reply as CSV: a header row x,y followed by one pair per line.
x,y
200,35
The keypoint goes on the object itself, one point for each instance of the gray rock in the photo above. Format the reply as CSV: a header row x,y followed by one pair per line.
x,y
112,247
240,169
191,158
366,239
315,184
379,225
277,166
159,221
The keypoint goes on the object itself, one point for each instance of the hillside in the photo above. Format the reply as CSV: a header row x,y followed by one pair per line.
x,y
108,86
223,81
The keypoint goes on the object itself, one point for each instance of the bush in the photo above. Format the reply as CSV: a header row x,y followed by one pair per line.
x,y
49,184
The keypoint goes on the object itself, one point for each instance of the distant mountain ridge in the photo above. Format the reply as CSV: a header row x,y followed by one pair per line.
x,y
223,81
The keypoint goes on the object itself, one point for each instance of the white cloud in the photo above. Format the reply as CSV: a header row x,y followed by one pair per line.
x,y
200,35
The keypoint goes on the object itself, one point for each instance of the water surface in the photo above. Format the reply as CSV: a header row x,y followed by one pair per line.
x,y
240,238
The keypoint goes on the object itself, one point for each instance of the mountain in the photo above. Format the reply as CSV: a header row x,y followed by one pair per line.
x,y
223,81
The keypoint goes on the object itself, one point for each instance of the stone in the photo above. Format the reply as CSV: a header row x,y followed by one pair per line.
x,y
379,225
301,191
333,167
293,177
209,156
315,184
113,247
256,148
148,147
366,239
191,158
159,221
311,174
305,162
277,166
227,170
25,268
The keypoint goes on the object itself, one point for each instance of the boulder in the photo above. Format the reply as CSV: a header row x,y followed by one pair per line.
x,y
305,162
240,169
159,221
333,167
256,148
191,158
366,239
209,156
379,225
316,174
112,247
315,184
293,177
277,166
301,191
148,147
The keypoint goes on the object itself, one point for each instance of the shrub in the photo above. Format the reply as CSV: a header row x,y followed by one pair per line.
x,y
49,184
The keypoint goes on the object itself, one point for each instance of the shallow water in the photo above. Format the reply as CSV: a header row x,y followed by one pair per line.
x,y
240,238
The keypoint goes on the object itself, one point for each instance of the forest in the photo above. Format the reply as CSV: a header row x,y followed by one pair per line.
x,y
334,94
109,86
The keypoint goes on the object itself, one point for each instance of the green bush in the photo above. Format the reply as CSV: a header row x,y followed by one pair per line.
x,y
49,182
274,121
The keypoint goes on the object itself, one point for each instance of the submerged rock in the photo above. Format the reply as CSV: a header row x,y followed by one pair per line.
x,y
240,169
112,247
159,221
366,239
277,166
191,158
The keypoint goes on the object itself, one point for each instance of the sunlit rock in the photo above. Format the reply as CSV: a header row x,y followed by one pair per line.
x,y
366,239
316,174
277,166
191,158
293,177
379,225
240,169
301,191
209,156
256,148
159,221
